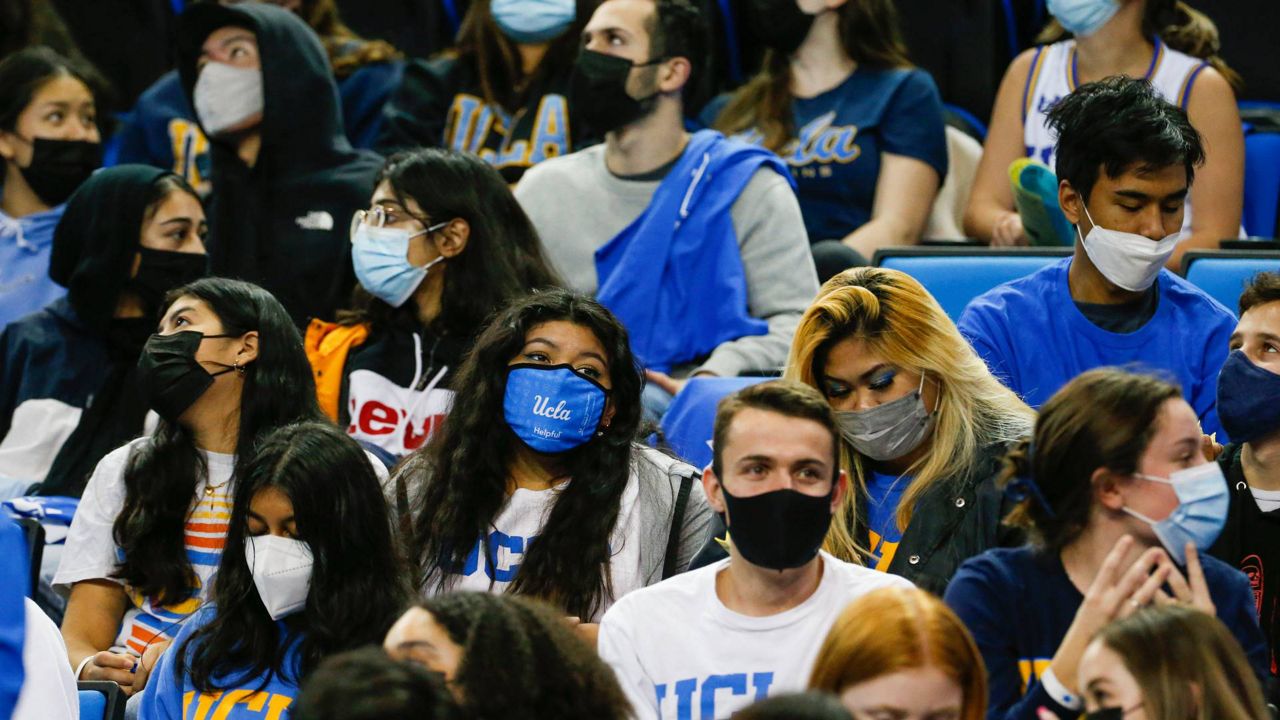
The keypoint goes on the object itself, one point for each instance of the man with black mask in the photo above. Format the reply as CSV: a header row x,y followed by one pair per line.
x,y
286,181
694,241
68,389
749,626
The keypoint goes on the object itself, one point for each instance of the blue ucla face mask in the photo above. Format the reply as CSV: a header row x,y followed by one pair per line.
x,y
381,259
1083,17
1248,399
551,408
533,21
1203,500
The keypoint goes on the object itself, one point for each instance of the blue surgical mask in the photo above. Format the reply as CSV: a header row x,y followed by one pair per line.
x,y
552,408
381,259
1083,17
1203,500
1248,399
533,21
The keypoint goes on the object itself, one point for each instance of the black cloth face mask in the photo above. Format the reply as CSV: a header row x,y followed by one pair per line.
x,y
779,24
58,167
778,530
160,271
598,91
171,377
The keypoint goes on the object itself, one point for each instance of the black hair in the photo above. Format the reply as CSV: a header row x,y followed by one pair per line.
x,y
463,470
1117,124
166,185
503,259
161,476
369,684
357,582
677,28
23,73
521,658
795,706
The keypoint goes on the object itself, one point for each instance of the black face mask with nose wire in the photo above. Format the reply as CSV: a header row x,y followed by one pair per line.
x,y
170,375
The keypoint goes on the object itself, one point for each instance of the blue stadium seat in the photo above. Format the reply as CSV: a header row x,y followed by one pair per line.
x,y
691,418
957,275
1222,273
1261,183
100,700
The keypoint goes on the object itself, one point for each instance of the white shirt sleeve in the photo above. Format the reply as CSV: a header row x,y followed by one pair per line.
x,y
616,648
48,691
90,553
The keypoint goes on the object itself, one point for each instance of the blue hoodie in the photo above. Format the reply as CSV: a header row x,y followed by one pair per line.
x,y
25,244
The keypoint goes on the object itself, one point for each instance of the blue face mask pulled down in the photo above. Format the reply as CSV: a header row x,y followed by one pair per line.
x,y
552,408
1203,500
380,256
1083,17
533,21
1248,399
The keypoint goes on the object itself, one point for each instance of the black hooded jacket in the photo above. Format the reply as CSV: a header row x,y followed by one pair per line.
x,y
284,223
72,355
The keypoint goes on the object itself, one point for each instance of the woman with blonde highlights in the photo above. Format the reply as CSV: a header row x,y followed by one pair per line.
x,y
902,653
925,425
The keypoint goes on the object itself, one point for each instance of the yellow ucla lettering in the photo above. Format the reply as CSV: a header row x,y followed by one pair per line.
x,y
277,706
189,145
551,131
511,151
203,706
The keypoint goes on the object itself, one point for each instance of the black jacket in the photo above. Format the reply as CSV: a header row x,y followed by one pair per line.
x,y
285,222
1250,540
954,521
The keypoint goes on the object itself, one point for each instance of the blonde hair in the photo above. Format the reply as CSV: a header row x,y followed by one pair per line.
x,y
901,322
894,629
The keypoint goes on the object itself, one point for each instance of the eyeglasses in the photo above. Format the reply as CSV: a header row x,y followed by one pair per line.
x,y
376,216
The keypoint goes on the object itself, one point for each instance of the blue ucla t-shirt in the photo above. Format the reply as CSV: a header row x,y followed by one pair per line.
x,y
884,493
841,134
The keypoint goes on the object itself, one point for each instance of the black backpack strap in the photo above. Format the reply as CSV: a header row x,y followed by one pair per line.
x,y
669,567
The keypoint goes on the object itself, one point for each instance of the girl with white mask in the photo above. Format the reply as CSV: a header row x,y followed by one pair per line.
x,y
310,570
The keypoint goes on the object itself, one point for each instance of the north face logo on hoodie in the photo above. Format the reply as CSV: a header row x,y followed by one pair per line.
x,y
315,220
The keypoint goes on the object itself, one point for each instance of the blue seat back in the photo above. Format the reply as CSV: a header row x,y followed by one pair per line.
x,y
1261,183
955,279
93,705
1223,278
690,420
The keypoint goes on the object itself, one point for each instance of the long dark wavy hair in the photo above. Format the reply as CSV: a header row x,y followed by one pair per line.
x,y
503,259
358,582
161,476
463,470
870,36
546,671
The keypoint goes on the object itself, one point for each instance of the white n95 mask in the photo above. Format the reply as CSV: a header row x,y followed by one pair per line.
x,y
281,570
225,96
1128,260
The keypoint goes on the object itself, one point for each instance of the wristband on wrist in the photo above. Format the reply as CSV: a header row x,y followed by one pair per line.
x,y
80,668
1059,692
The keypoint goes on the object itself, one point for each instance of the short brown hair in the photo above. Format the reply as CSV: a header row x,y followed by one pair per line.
x,y
1261,289
1102,418
784,397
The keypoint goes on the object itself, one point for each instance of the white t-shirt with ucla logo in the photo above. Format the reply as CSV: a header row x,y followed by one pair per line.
x,y
519,523
680,654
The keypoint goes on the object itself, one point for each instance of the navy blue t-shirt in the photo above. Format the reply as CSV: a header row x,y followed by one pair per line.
x,y
840,134
1019,603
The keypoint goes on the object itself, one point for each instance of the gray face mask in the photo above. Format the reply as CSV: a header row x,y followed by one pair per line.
x,y
888,431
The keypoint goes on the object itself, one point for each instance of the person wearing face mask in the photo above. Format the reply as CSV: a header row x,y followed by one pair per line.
x,y
443,247
1249,406
225,368
502,93
69,388
538,452
505,656
310,569
1168,663
162,129
1126,159
1165,42
860,128
1120,503
285,178
749,626
923,423
49,143
694,241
